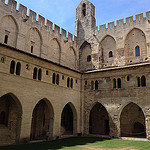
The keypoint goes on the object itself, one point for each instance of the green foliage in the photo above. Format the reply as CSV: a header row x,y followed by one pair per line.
x,y
79,143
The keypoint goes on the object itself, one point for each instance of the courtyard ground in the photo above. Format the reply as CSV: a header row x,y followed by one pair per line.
x,y
83,143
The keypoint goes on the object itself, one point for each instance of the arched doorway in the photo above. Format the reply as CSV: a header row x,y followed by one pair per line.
x,y
42,121
132,121
99,120
68,120
10,119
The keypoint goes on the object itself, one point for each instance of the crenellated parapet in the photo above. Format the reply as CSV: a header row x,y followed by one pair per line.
x,y
38,19
33,33
129,21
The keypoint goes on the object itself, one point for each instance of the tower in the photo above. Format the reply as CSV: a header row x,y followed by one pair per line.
x,y
85,23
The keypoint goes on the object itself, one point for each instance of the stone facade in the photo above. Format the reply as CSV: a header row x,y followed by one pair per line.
x,y
54,84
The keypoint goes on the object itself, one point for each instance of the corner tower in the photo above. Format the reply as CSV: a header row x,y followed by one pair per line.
x,y
85,23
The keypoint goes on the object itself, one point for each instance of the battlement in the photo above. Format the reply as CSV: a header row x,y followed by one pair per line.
x,y
129,21
37,19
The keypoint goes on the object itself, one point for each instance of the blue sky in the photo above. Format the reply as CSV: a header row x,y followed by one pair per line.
x,y
63,12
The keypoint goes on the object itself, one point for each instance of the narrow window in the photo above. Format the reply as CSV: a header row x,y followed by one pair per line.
x,y
35,73
57,79
40,74
47,72
2,118
18,68
96,85
92,85
143,81
84,9
76,81
63,77
6,39
32,49
137,51
71,83
138,82
114,83
2,60
119,83
110,54
85,83
68,82
12,67
88,58
54,77
128,78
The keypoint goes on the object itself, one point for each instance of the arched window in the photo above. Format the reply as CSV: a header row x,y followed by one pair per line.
x,y
53,78
32,49
18,68
6,39
68,82
114,83
88,58
84,9
40,74
96,85
137,51
35,73
57,79
12,67
143,81
138,82
110,54
71,83
119,83
92,85
3,117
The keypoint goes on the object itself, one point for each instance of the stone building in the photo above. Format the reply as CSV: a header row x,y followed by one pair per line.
x,y
54,84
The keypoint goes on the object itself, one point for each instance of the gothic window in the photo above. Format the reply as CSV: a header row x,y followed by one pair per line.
x,y
128,78
88,58
138,82
68,81
6,39
71,83
119,83
143,81
92,85
57,79
53,79
114,83
35,73
110,54
96,85
40,74
47,72
2,59
137,51
12,67
84,9
27,66
18,68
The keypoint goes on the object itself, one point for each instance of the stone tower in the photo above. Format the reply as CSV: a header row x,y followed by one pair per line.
x,y
85,23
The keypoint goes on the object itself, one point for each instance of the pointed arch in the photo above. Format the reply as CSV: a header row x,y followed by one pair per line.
x,y
107,49
85,51
12,108
54,50
135,44
69,120
42,120
10,31
98,117
34,41
132,121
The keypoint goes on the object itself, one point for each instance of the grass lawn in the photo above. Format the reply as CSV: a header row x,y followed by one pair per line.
x,y
82,143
